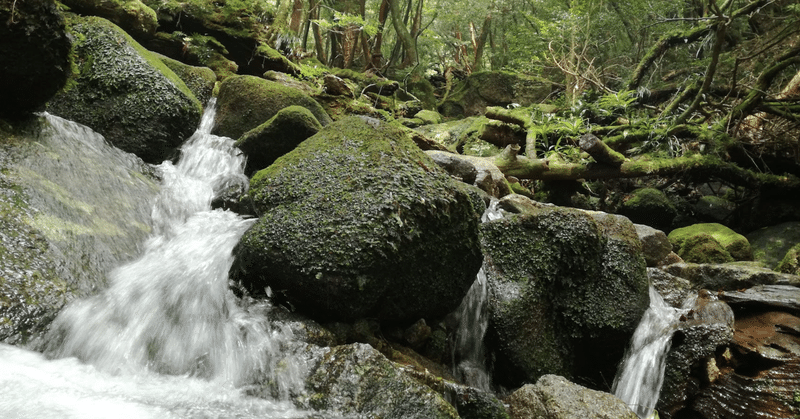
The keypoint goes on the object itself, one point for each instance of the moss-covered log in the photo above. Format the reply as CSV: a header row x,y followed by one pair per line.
x,y
695,165
601,152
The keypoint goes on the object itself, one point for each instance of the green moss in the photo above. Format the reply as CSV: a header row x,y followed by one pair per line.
x,y
125,92
736,245
790,263
361,206
649,206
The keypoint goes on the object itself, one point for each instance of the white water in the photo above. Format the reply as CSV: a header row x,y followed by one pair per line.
x,y
473,320
168,312
638,382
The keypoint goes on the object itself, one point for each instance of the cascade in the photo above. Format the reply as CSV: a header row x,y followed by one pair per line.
x,y
168,312
641,373
472,316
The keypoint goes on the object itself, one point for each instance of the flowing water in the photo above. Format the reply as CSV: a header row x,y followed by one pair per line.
x,y
168,312
473,320
638,382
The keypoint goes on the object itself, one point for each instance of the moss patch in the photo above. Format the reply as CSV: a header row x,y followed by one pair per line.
x,y
736,245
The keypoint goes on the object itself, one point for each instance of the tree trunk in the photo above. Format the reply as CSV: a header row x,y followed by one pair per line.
x,y
377,56
403,35
481,42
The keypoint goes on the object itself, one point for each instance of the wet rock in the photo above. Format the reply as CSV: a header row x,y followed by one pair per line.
x,y
126,93
694,347
337,86
133,16
770,244
71,208
553,397
245,102
785,297
567,289
673,290
655,244
686,238
729,276
651,207
757,375
34,56
281,134
357,380
470,402
357,221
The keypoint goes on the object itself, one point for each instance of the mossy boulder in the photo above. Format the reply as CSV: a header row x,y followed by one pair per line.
x,y
770,244
125,92
34,56
493,88
200,80
196,50
245,102
133,16
276,137
649,206
464,136
71,208
790,264
709,243
567,290
357,380
357,221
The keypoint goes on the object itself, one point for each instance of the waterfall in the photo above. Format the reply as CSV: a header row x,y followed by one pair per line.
x,y
168,312
641,373
472,316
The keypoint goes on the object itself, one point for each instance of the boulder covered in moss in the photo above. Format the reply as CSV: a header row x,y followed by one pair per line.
x,y
700,243
356,380
276,137
567,290
357,221
200,80
125,92
493,88
133,16
790,264
34,56
649,206
770,244
245,102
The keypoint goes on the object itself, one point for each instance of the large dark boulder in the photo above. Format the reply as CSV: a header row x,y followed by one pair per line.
x,y
34,55
245,102
567,289
125,92
276,137
357,221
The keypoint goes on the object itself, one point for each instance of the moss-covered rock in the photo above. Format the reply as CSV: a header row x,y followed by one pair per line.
x,y
357,380
729,276
276,137
357,221
71,208
200,80
245,102
125,92
790,264
196,50
567,290
493,88
651,207
34,56
770,244
699,243
133,16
